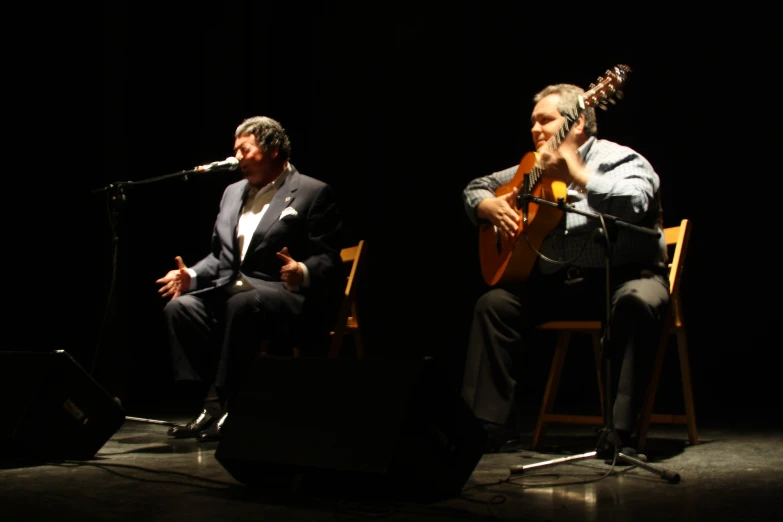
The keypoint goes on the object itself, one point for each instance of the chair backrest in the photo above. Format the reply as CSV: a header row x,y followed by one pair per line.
x,y
352,255
678,238
347,319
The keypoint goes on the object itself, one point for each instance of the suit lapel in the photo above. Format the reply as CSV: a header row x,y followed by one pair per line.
x,y
283,198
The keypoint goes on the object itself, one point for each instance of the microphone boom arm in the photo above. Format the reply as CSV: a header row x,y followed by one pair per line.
x,y
230,163
562,205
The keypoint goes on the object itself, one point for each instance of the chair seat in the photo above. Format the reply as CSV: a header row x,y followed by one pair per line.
x,y
573,326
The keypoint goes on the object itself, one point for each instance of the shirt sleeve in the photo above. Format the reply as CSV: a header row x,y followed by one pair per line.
x,y
623,183
306,281
193,279
484,187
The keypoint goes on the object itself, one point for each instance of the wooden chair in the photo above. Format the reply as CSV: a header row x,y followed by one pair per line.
x,y
677,238
348,318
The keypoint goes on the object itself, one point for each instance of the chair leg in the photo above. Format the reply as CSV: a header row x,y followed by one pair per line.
x,y
550,392
336,344
357,334
687,390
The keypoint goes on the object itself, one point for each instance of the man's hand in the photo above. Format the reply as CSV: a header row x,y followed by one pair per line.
x,y
290,273
563,164
501,212
176,281
554,165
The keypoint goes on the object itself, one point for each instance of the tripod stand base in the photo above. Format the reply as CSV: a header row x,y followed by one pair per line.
x,y
671,477
151,421
521,470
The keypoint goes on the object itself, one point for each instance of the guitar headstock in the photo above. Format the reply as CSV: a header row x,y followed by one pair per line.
x,y
606,88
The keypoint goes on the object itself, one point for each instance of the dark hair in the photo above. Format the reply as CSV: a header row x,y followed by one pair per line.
x,y
269,135
569,97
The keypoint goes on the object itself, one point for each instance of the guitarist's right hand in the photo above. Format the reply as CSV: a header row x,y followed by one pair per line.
x,y
501,212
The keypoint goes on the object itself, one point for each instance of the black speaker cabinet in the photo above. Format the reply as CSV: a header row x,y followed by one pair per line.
x,y
52,408
370,428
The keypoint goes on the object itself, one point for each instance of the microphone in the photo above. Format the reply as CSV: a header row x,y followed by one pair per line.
x,y
525,197
230,163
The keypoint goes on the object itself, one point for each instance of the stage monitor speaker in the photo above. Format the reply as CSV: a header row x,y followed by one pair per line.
x,y
370,428
53,409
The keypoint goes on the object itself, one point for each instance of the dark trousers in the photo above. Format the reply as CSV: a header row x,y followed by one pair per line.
x,y
504,318
215,334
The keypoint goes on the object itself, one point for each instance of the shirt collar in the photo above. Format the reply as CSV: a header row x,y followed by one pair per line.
x,y
283,175
585,148
252,192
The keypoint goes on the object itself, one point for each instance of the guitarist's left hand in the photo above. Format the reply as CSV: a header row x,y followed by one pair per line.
x,y
500,211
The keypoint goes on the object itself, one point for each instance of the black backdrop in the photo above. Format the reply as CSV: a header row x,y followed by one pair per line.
x,y
398,109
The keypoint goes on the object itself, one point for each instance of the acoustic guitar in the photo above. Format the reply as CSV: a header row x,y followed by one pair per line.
x,y
506,259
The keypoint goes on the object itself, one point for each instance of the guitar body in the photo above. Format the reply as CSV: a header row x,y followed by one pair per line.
x,y
505,260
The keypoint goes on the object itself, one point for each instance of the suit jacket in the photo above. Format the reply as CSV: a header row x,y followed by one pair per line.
x,y
303,216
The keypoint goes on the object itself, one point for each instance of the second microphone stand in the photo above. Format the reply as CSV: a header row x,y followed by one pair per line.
x,y
115,197
608,438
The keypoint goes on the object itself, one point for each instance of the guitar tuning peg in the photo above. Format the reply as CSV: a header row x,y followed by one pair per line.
x,y
620,94
602,106
612,101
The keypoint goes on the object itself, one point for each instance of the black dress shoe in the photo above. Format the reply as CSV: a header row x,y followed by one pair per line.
x,y
624,442
203,421
213,432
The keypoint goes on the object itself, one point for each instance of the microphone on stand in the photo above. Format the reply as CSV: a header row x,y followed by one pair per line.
x,y
230,163
524,197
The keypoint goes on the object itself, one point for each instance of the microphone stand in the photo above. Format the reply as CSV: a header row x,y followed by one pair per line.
x,y
115,197
608,437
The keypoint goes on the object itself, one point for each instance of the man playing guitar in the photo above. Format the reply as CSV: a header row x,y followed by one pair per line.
x,y
563,262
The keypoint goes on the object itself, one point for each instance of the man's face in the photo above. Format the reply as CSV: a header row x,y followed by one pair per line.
x,y
546,120
254,162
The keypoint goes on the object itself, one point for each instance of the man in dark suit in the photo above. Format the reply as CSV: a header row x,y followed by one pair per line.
x,y
273,273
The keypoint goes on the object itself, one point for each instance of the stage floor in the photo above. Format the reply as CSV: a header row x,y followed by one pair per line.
x,y
734,473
